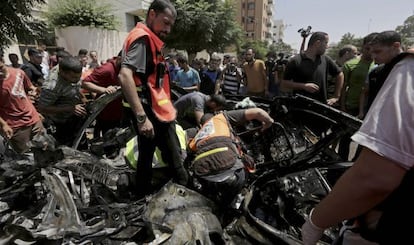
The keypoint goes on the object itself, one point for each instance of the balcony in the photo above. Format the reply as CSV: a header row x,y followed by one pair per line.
x,y
269,10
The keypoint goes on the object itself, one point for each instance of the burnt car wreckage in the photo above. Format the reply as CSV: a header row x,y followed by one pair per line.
x,y
68,196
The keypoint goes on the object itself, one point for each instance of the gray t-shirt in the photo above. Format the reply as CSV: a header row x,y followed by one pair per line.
x,y
58,92
187,104
136,58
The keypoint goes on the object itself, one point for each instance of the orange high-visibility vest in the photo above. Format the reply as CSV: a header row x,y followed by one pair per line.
x,y
217,126
157,84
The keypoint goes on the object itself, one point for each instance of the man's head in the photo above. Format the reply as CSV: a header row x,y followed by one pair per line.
x,y
161,17
35,56
249,55
226,59
233,63
385,46
14,59
318,42
182,60
347,52
94,56
366,46
214,63
62,54
215,103
70,69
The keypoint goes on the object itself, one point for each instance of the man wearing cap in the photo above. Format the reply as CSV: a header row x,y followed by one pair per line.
x,y
32,68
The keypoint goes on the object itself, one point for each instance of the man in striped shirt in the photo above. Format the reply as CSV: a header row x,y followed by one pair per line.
x,y
231,78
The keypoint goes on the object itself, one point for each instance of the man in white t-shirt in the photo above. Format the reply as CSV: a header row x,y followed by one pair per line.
x,y
381,178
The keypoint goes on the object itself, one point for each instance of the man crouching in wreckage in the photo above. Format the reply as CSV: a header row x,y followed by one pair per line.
x,y
219,163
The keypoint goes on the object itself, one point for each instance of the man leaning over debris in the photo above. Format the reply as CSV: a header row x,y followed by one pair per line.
x,y
146,86
219,161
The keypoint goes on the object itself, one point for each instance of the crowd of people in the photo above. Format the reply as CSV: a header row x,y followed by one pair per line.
x,y
373,82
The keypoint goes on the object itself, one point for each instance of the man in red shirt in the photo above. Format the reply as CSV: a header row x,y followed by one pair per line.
x,y
19,120
104,80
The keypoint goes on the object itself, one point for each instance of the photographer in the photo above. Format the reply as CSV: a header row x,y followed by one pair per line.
x,y
231,78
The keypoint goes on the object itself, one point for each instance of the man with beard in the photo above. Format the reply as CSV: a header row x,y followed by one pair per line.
x,y
191,107
146,87
254,71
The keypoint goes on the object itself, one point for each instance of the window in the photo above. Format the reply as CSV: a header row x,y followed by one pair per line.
x,y
251,5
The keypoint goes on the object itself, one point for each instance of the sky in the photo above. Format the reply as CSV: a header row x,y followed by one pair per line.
x,y
358,17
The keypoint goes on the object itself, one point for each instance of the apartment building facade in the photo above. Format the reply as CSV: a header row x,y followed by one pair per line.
x,y
256,19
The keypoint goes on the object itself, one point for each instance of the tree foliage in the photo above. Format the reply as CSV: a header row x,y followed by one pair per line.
x,y
81,13
407,31
260,48
204,25
281,47
346,39
17,21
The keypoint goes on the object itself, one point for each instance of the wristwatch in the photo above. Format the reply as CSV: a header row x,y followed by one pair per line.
x,y
141,118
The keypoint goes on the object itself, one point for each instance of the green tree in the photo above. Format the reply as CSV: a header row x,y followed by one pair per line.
x,y
407,31
204,25
280,47
260,48
81,13
18,22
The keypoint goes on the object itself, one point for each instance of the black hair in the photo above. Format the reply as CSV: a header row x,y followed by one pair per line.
x,y
159,6
82,51
345,49
317,36
368,38
386,38
219,99
12,54
181,58
62,54
70,64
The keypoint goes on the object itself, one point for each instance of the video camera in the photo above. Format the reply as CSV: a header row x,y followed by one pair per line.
x,y
305,32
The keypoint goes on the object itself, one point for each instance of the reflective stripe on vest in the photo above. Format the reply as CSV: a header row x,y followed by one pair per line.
x,y
210,152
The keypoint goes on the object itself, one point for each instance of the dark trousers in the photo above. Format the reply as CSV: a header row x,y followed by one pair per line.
x,y
165,139
224,192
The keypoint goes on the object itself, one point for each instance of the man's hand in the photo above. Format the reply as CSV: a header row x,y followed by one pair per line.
x,y
111,89
146,129
79,110
310,232
7,131
311,87
332,101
